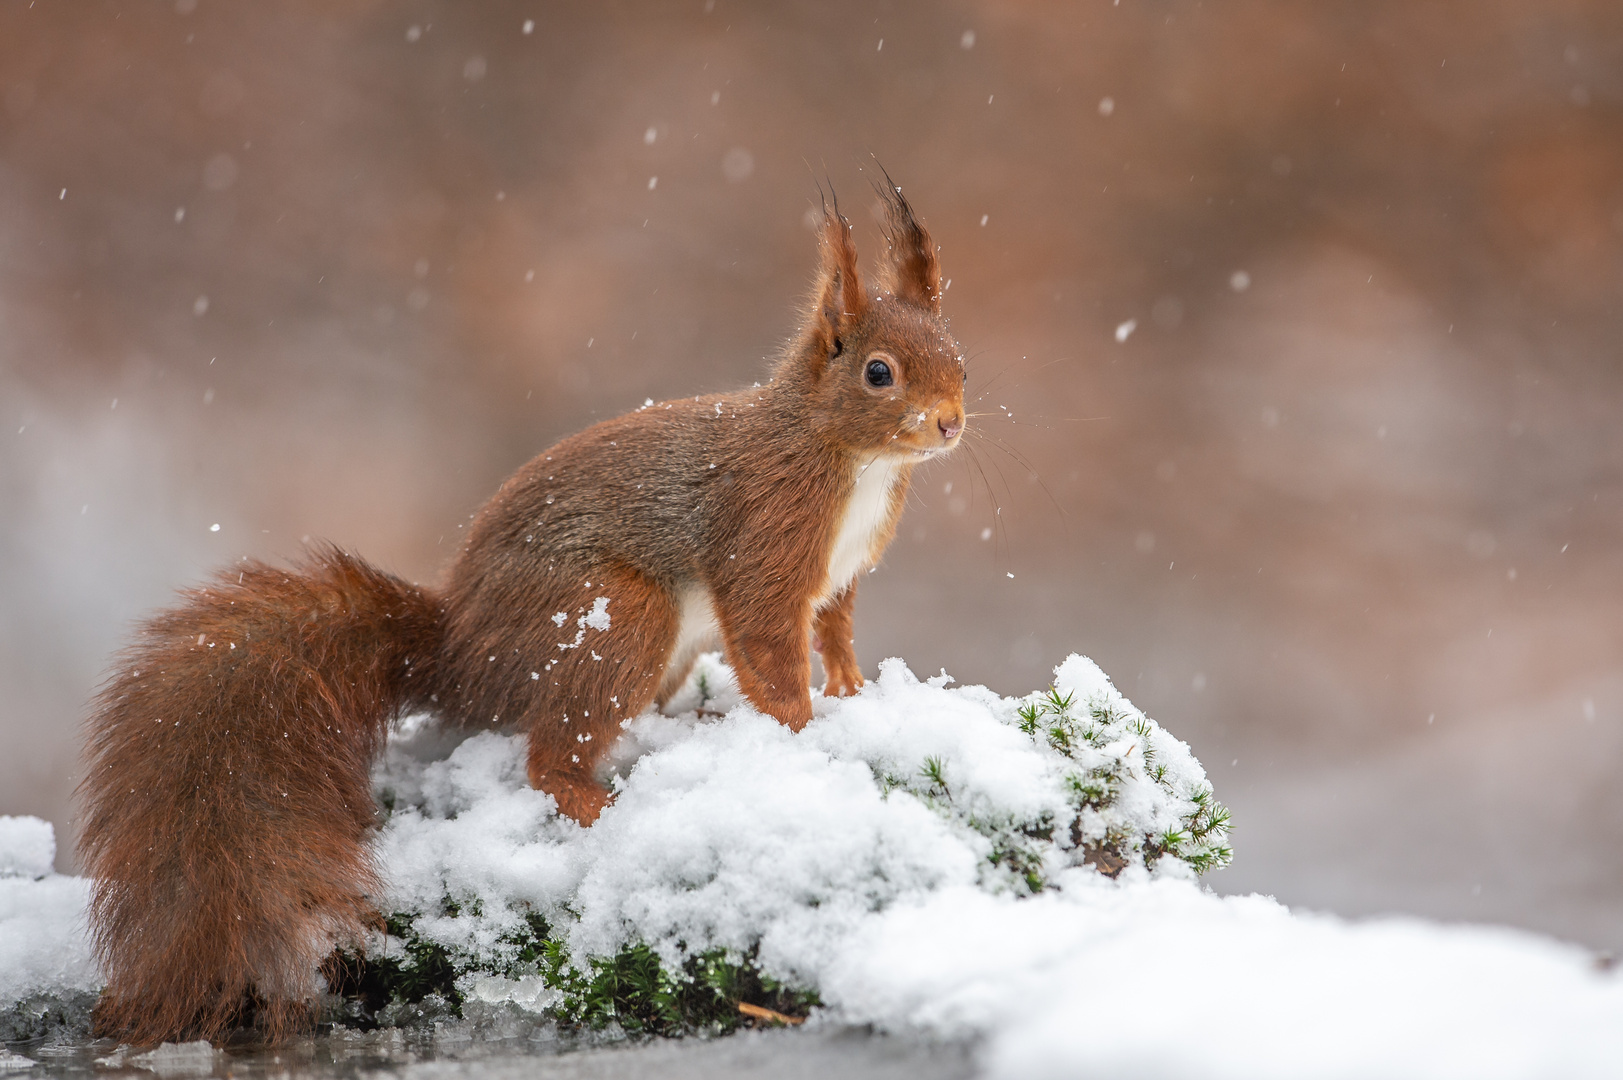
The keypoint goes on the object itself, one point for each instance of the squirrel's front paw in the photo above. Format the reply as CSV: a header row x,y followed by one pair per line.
x,y
578,797
844,677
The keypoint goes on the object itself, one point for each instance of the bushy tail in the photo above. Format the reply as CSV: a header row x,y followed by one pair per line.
x,y
227,798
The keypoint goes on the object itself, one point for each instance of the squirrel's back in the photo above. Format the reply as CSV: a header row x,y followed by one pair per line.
x,y
660,488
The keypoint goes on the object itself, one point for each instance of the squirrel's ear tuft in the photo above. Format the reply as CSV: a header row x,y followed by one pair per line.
x,y
840,299
909,270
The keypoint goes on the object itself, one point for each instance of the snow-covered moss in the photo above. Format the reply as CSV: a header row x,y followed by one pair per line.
x,y
1128,793
737,856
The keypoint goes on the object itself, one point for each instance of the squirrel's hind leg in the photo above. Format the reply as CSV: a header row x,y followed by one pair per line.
x,y
607,671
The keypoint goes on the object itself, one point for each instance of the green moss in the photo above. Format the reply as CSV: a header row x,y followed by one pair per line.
x,y
631,989
636,991
407,970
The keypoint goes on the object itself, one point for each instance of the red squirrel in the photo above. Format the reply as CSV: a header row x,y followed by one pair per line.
x,y
227,801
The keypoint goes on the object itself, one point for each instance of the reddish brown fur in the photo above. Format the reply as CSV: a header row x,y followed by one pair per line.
x,y
227,803
834,642
228,796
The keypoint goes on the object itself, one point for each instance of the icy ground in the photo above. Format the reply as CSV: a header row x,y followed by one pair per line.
x,y
928,859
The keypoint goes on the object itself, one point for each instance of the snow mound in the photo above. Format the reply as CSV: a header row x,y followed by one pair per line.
x,y
27,847
43,943
735,834
47,976
1161,979
1017,871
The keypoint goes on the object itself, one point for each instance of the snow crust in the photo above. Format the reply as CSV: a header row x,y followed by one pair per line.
x,y
10,1062
882,858
168,1059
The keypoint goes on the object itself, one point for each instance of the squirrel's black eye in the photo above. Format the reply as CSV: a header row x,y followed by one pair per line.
x,y
878,373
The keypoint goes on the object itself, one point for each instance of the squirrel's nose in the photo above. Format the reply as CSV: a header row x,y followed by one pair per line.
x,y
950,426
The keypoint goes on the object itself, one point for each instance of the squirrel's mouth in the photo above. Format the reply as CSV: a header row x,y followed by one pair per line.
x,y
929,439
925,453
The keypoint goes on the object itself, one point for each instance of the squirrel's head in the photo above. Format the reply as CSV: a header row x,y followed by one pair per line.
x,y
881,372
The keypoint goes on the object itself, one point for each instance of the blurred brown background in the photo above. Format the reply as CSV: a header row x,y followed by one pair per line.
x,y
1342,508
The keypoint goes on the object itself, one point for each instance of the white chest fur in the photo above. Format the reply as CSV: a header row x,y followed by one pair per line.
x,y
866,514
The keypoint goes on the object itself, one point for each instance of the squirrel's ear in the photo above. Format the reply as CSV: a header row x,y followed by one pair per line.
x,y
909,270
840,298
